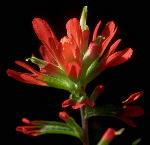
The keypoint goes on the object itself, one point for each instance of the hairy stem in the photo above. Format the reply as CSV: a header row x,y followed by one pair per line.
x,y
84,126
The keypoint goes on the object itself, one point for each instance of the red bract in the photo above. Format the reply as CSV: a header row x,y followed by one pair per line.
x,y
132,110
76,104
109,135
112,58
97,91
32,78
133,97
63,115
32,130
68,54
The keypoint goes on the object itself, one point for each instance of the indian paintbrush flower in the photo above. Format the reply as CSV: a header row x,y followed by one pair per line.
x,y
74,61
63,115
70,64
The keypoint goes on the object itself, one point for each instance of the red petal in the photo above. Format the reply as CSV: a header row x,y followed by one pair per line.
x,y
26,66
43,31
74,31
56,51
108,32
26,121
97,91
14,74
46,35
96,31
90,102
32,80
126,120
119,57
66,103
133,97
73,69
113,47
25,78
78,105
28,130
69,49
46,55
63,115
50,69
85,35
133,111
92,52
108,135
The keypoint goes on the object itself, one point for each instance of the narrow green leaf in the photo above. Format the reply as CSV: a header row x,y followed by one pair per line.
x,y
103,110
91,72
60,82
53,127
72,124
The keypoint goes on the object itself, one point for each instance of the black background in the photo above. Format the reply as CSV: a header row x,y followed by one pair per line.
x,y
19,42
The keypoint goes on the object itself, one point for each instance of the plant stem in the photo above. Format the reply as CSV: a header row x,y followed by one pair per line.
x,y
84,126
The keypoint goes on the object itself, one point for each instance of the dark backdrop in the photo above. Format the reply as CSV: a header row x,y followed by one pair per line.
x,y
19,42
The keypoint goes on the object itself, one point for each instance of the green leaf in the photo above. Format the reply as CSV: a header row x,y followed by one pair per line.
x,y
72,124
91,72
53,127
103,110
60,82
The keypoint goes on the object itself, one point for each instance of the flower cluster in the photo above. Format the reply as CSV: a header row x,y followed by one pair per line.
x,y
74,61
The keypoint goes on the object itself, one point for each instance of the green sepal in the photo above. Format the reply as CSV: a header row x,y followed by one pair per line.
x,y
60,82
103,110
83,19
54,127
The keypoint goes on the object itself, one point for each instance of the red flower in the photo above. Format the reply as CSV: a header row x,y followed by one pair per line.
x,y
72,62
68,54
33,129
57,56
133,97
132,110
109,135
97,91
63,115
76,105
32,78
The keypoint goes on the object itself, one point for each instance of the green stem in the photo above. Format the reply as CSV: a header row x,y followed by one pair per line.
x,y
84,126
